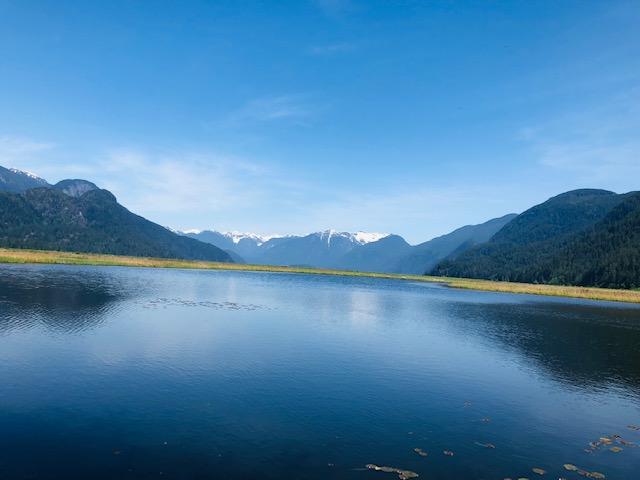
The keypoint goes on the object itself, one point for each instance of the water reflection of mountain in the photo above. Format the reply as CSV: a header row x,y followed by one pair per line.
x,y
583,344
68,299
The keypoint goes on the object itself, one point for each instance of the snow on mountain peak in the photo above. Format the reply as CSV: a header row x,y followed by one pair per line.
x,y
28,174
369,237
358,237
236,236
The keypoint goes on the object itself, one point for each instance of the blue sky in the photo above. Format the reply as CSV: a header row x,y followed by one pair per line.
x,y
412,117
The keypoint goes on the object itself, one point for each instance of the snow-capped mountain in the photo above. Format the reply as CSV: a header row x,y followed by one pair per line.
x,y
357,237
236,237
30,175
327,248
16,181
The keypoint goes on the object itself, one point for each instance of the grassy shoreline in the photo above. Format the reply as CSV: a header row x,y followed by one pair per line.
x,y
17,256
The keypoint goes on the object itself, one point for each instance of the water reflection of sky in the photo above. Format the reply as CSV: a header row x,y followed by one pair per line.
x,y
248,361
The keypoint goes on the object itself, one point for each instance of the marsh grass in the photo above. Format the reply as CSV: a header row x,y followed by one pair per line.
x,y
71,258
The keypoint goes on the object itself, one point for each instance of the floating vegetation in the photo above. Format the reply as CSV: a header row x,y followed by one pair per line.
x,y
178,302
608,442
448,453
420,452
485,445
597,475
539,471
585,473
402,474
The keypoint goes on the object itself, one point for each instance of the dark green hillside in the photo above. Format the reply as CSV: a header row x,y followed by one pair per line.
x,y
533,238
606,255
47,218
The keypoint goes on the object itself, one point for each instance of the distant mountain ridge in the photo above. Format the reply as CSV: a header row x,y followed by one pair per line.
x,y
359,251
75,215
425,256
319,249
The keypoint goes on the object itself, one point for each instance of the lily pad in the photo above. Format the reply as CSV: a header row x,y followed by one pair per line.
x,y
538,471
570,467
615,449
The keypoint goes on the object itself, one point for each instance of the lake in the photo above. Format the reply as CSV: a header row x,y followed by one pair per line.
x,y
110,372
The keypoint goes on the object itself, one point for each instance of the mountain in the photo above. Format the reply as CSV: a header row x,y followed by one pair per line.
x,y
423,257
248,246
360,251
533,238
17,181
605,255
75,187
327,249
320,249
379,256
62,217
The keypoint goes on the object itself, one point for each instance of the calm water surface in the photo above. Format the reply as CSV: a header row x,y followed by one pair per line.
x,y
123,373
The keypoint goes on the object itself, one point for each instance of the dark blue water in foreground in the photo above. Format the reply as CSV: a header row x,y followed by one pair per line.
x,y
123,373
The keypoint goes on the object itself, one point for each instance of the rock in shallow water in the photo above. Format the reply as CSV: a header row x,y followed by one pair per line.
x,y
402,474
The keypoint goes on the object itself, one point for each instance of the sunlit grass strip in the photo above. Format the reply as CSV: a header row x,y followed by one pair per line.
x,y
69,258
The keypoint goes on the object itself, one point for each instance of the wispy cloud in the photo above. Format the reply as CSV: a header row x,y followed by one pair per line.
x,y
295,108
194,183
332,49
597,146
15,146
